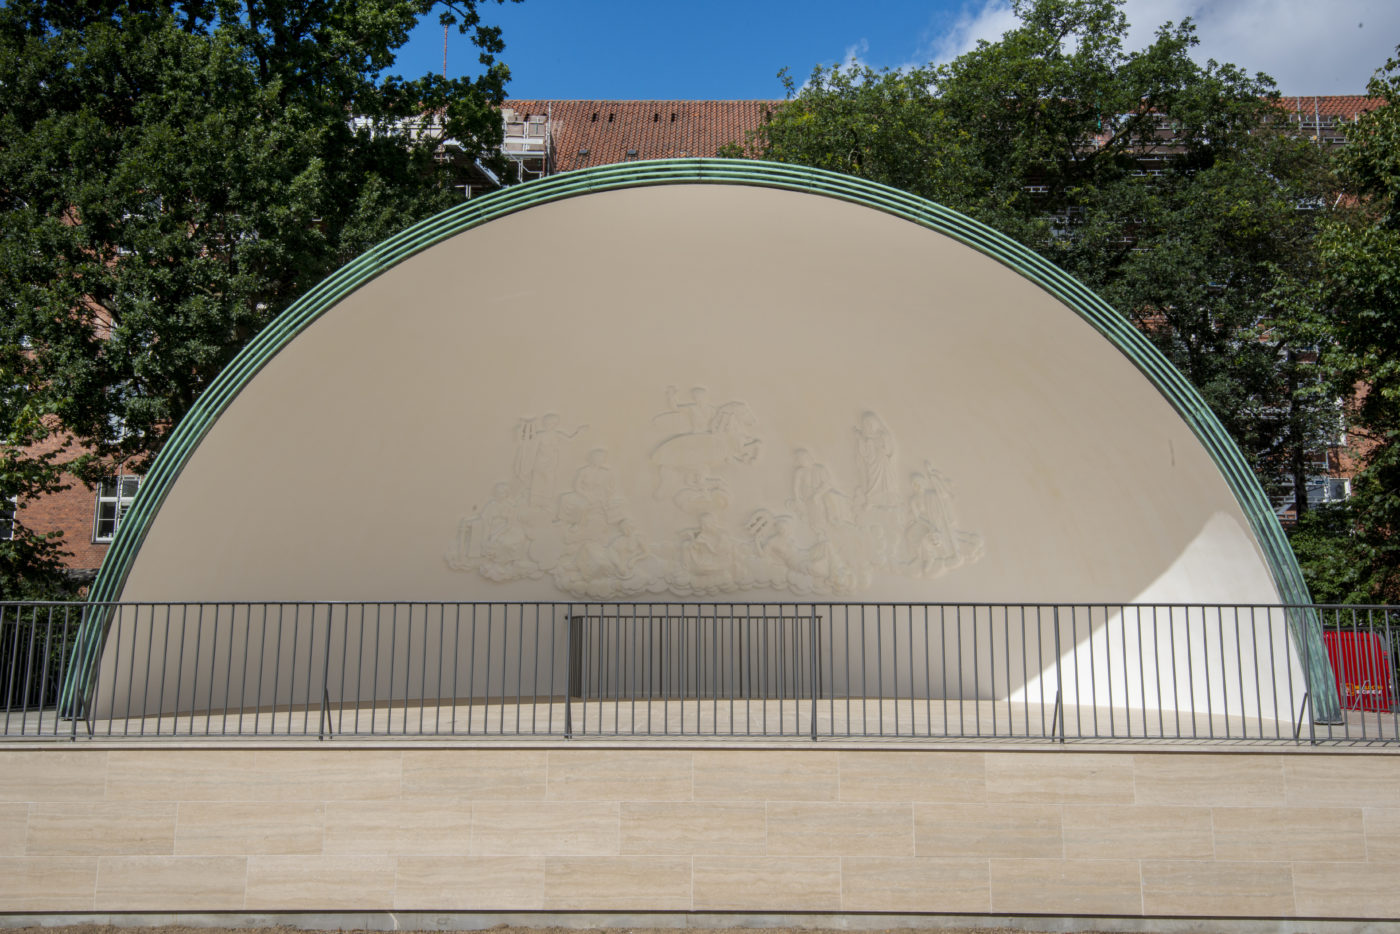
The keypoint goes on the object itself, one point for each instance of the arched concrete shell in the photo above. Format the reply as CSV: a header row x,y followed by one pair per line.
x,y
701,381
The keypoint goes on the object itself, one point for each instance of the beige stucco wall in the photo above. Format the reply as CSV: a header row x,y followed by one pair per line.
x,y
929,426
1120,833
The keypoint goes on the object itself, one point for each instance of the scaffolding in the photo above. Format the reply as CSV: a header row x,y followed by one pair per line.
x,y
529,143
1314,125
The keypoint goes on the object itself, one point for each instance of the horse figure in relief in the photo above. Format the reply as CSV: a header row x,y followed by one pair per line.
x,y
729,437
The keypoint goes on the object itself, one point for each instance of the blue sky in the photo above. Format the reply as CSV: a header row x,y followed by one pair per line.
x,y
719,49
713,49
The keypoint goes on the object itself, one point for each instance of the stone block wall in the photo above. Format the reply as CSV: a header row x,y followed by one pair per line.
x,y
1130,833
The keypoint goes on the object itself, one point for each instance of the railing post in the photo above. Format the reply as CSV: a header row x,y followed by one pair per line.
x,y
1308,679
73,712
325,714
569,676
1059,676
815,668
78,707
326,678
10,677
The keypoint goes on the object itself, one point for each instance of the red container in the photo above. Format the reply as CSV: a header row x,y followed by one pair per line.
x,y
1361,665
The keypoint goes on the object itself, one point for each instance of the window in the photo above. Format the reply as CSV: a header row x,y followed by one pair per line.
x,y
114,496
1321,491
7,518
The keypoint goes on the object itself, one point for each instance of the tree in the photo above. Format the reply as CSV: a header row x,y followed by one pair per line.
x,y
1172,189
31,463
1360,253
879,125
174,174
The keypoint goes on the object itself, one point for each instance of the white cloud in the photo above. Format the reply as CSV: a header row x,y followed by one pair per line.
x,y
855,55
988,21
1307,46
976,20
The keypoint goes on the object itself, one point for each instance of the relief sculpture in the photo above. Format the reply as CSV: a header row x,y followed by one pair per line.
x,y
494,541
711,437
935,543
537,456
875,461
693,531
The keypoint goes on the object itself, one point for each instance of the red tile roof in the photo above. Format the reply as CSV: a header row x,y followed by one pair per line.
x,y
603,132
1347,106
588,133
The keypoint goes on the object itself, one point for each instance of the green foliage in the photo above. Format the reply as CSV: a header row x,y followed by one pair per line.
x,y
31,463
1220,277
173,174
1361,260
1172,189
876,125
1340,562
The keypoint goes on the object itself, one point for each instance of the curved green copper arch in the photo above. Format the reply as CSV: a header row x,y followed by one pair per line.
x,y
1108,322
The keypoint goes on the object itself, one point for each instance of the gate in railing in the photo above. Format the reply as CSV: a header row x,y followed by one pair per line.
x,y
1051,672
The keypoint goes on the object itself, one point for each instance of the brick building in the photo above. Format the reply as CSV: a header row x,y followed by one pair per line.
x,y
547,137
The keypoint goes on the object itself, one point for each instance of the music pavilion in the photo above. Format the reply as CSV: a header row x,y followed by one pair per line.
x,y
582,548
704,389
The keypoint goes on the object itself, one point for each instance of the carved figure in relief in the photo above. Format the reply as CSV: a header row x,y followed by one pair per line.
x,y
698,413
785,563
536,468
591,507
729,437
604,555
594,481
623,565
934,541
494,542
707,558
814,498
875,451
829,569
628,549
772,556
702,494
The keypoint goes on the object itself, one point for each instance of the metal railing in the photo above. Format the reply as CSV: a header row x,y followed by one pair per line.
x,y
813,671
